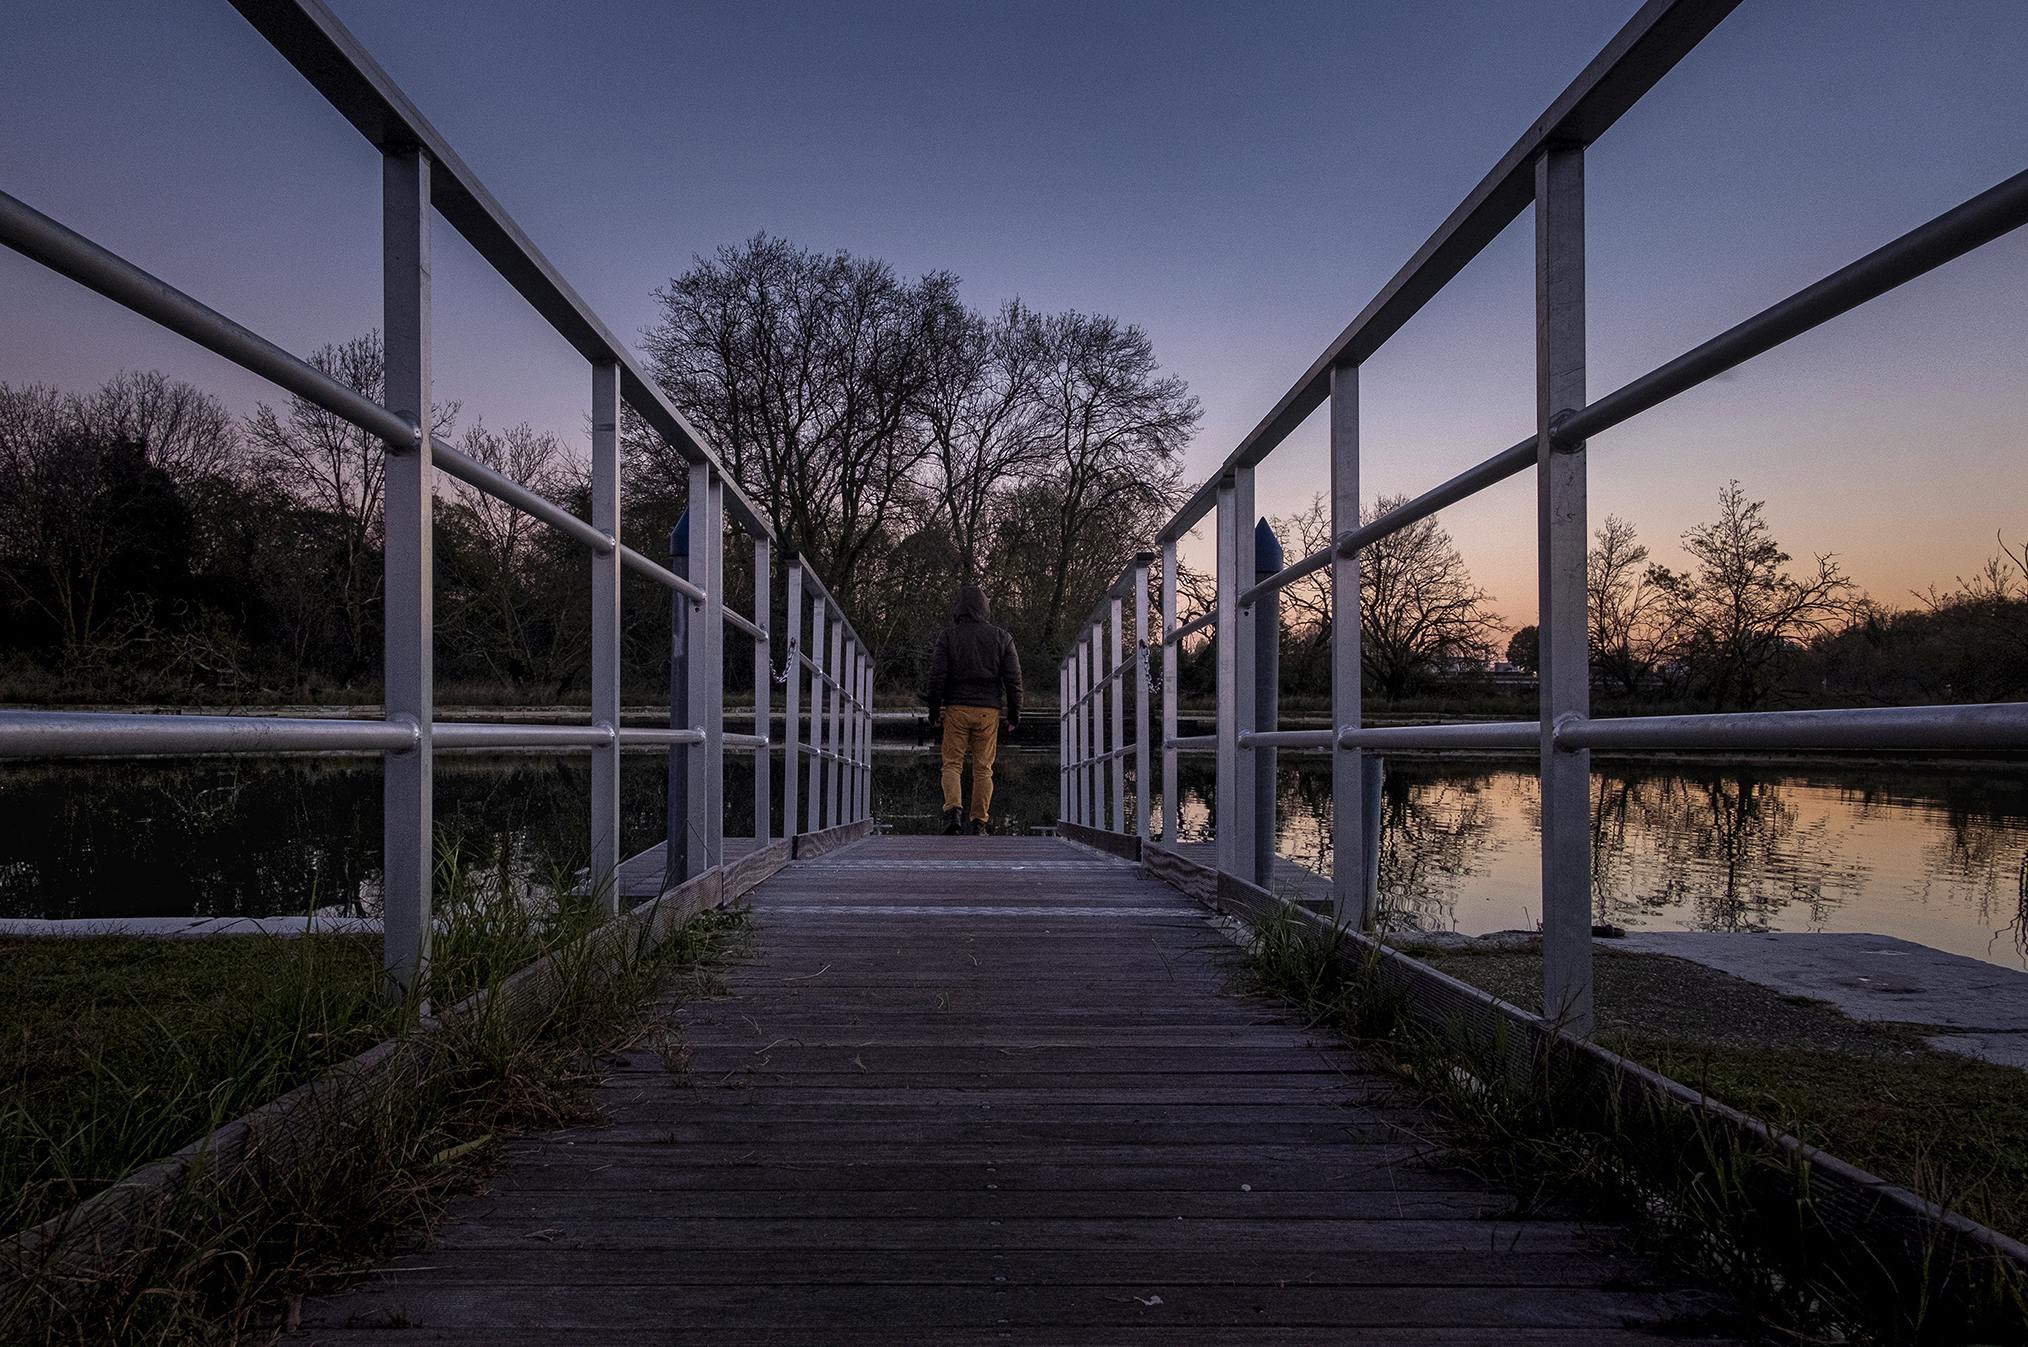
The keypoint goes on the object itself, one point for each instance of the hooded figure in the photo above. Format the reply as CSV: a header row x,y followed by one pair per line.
x,y
971,670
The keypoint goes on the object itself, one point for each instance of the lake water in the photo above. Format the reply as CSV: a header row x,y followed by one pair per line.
x,y
1939,856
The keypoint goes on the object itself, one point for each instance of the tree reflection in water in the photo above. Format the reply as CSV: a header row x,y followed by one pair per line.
x,y
1728,849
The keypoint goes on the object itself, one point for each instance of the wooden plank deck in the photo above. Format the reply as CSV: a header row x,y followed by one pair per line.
x,y
994,1089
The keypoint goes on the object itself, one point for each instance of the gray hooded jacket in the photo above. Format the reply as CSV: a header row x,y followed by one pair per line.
x,y
974,662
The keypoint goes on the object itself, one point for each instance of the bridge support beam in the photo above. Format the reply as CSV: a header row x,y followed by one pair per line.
x,y
407,838
1563,618
1267,693
763,693
1141,761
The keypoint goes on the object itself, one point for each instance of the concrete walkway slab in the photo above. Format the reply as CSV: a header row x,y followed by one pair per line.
x,y
1870,977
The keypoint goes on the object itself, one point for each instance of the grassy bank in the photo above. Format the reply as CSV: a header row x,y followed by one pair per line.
x,y
1737,1214
1936,1123
121,1051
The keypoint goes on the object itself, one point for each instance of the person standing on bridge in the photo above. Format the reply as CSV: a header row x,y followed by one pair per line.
x,y
971,669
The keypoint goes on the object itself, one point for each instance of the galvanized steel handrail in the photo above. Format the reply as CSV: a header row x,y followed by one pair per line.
x,y
420,173
839,785
1545,169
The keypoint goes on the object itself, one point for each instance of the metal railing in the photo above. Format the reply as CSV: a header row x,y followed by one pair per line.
x,y
1545,170
840,747
420,173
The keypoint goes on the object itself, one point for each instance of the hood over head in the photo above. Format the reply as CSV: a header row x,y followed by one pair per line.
x,y
969,605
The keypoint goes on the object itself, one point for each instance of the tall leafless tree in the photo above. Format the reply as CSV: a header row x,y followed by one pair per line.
x,y
1115,430
1629,627
805,371
1420,609
1739,616
979,405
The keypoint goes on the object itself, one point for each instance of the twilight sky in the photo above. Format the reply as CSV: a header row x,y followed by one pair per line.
x,y
1237,179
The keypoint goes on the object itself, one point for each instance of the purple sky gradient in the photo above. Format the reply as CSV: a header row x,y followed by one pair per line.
x,y
1237,179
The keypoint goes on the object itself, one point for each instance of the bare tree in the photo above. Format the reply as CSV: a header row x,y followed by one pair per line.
x,y
189,433
805,371
1420,610
1115,432
497,557
979,404
94,535
1629,631
1740,617
333,468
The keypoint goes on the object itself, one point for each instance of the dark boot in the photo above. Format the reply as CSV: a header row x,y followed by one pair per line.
x,y
979,828
954,822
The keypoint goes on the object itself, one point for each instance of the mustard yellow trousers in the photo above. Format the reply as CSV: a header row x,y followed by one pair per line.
x,y
975,729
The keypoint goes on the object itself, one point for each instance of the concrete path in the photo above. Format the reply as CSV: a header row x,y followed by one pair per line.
x,y
1871,977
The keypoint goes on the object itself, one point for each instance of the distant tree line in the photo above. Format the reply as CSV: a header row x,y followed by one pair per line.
x,y
1738,629
152,545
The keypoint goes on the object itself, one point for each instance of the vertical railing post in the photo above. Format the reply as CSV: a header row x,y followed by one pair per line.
x,y
819,610
1095,734
1266,559
1141,782
683,619
792,729
605,636
705,676
855,712
406,835
1353,898
866,680
1063,739
763,694
834,737
1234,810
1562,620
714,668
1077,724
1119,703
1171,803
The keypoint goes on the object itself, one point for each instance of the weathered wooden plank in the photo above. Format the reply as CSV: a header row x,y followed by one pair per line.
x,y
587,1309
959,1060
534,1262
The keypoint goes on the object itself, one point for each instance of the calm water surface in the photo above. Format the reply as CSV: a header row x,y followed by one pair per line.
x,y
1932,855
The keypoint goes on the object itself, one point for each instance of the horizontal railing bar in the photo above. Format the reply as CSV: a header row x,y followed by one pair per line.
x,y
1985,725
660,574
1647,48
334,62
1498,468
1951,235
1503,734
746,741
1191,743
1096,758
828,680
64,734
469,734
1096,689
1121,587
34,235
69,253
751,628
1288,738
1209,619
811,579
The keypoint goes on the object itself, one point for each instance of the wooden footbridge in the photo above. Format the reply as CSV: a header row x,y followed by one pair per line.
x,y
986,1089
